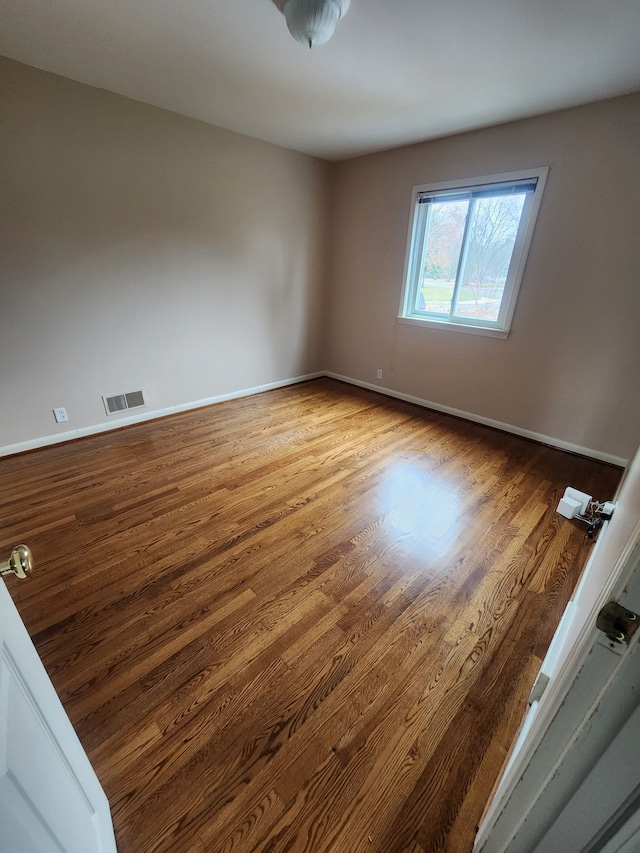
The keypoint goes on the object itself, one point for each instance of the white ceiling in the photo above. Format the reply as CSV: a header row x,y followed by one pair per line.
x,y
396,71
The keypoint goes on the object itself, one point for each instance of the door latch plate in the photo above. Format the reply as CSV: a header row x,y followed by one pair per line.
x,y
618,623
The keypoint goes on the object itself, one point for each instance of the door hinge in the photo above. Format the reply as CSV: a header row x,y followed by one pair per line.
x,y
618,623
540,685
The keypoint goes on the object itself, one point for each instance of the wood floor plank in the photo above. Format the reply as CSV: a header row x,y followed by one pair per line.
x,y
301,622
460,751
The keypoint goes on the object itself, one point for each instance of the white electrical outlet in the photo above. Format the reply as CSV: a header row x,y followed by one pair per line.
x,y
379,373
60,415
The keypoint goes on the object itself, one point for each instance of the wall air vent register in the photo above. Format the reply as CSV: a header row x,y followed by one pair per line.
x,y
122,402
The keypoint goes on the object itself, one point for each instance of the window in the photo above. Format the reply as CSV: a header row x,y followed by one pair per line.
x,y
466,251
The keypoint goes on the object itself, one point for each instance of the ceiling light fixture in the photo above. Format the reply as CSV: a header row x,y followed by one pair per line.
x,y
313,21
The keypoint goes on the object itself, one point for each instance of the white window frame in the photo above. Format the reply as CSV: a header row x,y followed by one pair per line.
x,y
413,256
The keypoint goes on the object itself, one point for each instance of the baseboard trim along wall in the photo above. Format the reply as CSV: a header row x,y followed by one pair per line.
x,y
469,416
47,440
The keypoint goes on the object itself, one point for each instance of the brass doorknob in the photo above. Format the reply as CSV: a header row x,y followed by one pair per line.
x,y
20,563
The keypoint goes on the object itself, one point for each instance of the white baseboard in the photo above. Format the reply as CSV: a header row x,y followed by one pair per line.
x,y
469,416
95,429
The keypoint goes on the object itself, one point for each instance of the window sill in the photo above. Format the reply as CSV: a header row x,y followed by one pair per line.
x,y
448,326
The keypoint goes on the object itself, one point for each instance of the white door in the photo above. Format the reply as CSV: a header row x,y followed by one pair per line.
x,y
581,666
50,797
602,811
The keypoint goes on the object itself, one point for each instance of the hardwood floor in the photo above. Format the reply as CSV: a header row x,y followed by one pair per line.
x,y
302,621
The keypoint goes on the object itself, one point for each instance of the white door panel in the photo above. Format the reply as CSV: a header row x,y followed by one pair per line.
x,y
50,797
588,819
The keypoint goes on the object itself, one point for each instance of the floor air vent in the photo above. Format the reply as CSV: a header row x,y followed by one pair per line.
x,y
122,402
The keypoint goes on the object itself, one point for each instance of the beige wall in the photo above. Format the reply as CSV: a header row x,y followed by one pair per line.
x,y
570,367
141,248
